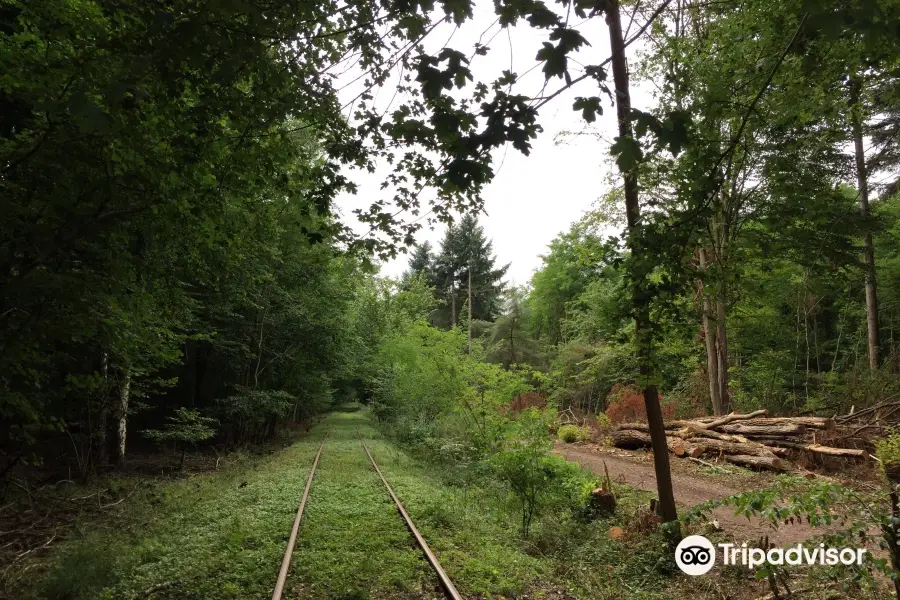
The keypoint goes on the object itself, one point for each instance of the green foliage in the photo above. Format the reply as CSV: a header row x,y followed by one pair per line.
x,y
887,450
573,433
464,248
536,477
185,425
252,414
850,518
603,421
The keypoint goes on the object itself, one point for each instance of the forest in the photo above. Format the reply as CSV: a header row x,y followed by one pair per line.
x,y
181,285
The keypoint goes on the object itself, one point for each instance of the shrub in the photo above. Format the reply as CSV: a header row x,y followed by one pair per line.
x,y
888,452
535,476
626,405
187,426
602,421
251,415
572,433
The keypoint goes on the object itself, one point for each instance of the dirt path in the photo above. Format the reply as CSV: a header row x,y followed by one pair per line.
x,y
690,489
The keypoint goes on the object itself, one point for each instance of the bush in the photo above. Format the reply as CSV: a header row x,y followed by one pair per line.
x,y
536,477
602,421
888,452
251,415
572,433
187,426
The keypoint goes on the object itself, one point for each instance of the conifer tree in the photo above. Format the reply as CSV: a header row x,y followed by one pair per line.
x,y
465,248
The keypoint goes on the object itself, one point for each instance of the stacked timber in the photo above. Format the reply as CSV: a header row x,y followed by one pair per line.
x,y
751,440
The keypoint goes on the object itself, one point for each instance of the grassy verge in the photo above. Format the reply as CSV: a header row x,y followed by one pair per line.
x,y
474,529
222,535
214,536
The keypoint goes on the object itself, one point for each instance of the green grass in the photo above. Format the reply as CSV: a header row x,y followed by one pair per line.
x,y
222,535
475,532
353,543
214,536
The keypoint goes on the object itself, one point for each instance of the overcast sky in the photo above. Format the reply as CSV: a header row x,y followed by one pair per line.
x,y
532,198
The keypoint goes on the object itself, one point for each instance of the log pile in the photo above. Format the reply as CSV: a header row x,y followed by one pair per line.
x,y
751,440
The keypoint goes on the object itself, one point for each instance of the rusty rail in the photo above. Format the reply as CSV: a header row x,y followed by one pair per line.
x,y
286,563
432,559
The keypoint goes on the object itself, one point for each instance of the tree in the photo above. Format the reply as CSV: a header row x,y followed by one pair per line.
x,y
509,340
466,267
421,262
640,270
186,426
184,243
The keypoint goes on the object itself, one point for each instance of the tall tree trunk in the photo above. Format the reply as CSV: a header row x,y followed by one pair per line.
x,y
643,331
99,446
259,353
452,305
470,308
722,342
720,235
122,415
712,353
862,180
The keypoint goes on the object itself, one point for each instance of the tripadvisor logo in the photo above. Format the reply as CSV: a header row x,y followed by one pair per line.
x,y
695,555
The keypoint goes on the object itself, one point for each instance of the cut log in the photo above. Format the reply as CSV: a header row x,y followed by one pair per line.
x,y
681,449
689,433
719,447
735,417
810,422
734,422
757,462
642,426
749,430
779,451
817,448
630,439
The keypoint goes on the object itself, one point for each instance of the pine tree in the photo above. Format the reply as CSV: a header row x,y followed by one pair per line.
x,y
421,262
465,247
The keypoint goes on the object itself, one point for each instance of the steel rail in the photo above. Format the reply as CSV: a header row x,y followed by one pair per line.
x,y
432,559
286,563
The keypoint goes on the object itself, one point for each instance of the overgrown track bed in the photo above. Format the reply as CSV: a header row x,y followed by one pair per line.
x,y
352,544
445,583
448,586
292,540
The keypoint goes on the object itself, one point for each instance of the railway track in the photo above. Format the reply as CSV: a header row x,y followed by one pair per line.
x,y
445,582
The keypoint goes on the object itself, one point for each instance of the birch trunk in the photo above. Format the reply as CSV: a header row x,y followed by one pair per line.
x,y
122,428
452,306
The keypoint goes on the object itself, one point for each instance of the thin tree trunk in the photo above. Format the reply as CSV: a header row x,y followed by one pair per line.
x,y
869,250
452,306
720,240
256,371
837,346
122,429
806,335
709,332
99,451
470,307
643,333
722,347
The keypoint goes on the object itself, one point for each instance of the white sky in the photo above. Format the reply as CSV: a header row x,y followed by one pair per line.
x,y
532,198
